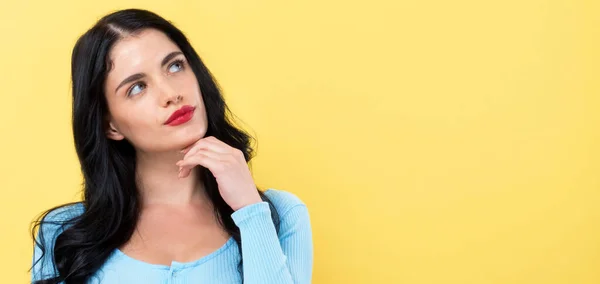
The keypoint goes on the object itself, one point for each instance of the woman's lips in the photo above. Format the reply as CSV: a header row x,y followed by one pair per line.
x,y
180,116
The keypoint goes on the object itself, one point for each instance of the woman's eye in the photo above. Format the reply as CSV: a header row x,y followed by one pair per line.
x,y
136,89
176,66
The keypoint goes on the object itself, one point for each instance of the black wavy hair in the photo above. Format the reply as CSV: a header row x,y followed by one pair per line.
x,y
111,200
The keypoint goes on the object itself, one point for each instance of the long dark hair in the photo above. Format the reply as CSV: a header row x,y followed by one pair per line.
x,y
110,197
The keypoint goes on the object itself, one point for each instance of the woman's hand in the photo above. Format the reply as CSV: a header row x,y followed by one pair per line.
x,y
228,166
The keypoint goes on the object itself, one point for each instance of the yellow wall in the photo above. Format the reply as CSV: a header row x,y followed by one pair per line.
x,y
434,141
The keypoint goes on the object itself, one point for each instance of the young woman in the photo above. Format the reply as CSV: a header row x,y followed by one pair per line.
x,y
168,195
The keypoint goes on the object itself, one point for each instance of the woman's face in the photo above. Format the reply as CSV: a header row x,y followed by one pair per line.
x,y
149,80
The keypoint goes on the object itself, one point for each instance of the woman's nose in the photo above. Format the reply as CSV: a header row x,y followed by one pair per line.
x,y
168,94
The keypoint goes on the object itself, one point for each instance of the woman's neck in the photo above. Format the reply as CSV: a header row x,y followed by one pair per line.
x,y
159,184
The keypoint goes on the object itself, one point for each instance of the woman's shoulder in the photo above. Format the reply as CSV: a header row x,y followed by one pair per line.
x,y
283,200
294,218
59,218
53,223
64,213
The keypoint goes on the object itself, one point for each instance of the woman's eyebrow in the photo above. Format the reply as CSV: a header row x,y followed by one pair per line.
x,y
138,76
131,78
169,57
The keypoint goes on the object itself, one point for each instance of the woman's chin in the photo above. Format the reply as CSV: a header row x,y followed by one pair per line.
x,y
190,140
193,132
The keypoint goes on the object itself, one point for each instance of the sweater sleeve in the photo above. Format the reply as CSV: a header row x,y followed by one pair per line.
x,y
50,228
43,252
269,258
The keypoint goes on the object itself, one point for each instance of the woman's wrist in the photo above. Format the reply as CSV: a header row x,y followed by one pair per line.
x,y
250,201
252,213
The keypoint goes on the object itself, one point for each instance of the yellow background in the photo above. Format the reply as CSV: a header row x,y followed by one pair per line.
x,y
434,141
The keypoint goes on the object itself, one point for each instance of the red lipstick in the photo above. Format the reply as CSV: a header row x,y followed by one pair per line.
x,y
181,116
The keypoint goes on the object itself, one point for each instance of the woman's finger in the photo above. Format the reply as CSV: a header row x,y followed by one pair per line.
x,y
202,160
185,172
205,152
186,166
209,143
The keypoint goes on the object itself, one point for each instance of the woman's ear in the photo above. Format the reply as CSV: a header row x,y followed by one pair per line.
x,y
112,132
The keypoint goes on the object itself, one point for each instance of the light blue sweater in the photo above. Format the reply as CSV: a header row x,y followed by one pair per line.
x,y
268,257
